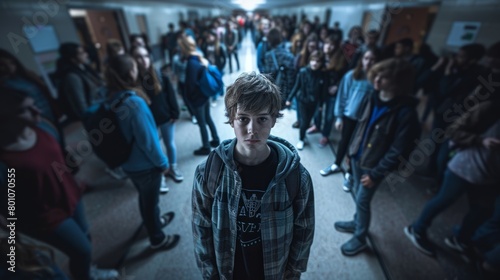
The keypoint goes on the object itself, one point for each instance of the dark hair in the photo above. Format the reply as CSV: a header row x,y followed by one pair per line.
x,y
494,50
304,53
274,37
400,73
11,124
67,52
317,55
171,25
336,60
406,42
359,73
252,92
149,73
474,51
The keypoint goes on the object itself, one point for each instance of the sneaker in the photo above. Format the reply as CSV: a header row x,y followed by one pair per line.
x,y
214,143
421,242
296,124
164,188
347,226
117,173
103,274
453,243
166,218
202,151
312,129
353,247
348,182
169,242
194,120
323,142
300,145
175,174
330,170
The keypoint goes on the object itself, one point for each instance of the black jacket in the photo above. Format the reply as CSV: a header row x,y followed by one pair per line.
x,y
308,86
164,105
391,137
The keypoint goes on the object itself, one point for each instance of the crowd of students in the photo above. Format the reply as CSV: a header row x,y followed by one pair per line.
x,y
366,91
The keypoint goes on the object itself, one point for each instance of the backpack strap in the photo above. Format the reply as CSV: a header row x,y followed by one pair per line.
x,y
213,172
273,54
292,182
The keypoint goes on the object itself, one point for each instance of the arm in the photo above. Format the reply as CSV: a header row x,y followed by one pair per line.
x,y
173,106
296,87
407,131
342,96
204,250
145,133
303,229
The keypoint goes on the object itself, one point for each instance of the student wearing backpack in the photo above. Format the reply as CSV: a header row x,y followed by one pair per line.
x,y
199,102
146,163
164,106
263,224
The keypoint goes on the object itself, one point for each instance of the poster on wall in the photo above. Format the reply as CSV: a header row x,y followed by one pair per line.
x,y
463,32
42,38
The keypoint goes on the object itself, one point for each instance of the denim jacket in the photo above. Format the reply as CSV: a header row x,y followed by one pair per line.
x,y
287,226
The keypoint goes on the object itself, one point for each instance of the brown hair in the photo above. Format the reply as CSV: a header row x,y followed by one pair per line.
x,y
336,59
148,75
252,92
118,76
358,72
296,37
304,53
400,73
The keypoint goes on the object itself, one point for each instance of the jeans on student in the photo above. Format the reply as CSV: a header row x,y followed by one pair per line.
x,y
202,114
148,184
167,132
307,111
328,115
363,198
452,188
73,239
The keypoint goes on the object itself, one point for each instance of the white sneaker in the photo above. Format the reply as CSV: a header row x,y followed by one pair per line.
x,y
300,145
164,188
103,274
175,173
116,173
194,120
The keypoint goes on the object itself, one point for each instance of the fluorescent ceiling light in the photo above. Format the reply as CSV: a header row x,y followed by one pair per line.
x,y
249,5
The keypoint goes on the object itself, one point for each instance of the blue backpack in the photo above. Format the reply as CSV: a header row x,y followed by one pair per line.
x,y
210,81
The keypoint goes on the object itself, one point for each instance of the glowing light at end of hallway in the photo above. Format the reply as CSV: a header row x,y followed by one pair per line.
x,y
249,5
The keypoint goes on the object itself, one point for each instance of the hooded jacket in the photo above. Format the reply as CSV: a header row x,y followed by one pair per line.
x,y
391,137
287,224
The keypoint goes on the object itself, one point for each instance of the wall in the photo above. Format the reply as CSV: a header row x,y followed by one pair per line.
x,y
486,12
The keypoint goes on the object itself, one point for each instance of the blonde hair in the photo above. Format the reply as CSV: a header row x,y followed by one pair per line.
x,y
188,46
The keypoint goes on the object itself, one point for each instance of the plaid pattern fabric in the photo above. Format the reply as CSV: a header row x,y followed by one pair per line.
x,y
287,227
286,59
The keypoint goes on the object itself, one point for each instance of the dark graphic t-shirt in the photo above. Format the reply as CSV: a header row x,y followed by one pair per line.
x,y
248,260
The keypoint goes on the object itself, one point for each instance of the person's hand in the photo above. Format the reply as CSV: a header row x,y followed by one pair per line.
x,y
339,125
288,103
491,143
332,90
366,181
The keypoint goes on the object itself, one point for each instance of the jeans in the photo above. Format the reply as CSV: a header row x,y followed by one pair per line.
x,y
148,184
348,126
329,117
306,114
452,188
72,238
229,55
202,114
363,198
167,132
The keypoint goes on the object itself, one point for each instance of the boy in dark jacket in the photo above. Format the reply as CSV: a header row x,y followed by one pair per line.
x,y
385,133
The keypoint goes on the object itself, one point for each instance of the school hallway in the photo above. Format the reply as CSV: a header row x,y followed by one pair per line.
x,y
113,213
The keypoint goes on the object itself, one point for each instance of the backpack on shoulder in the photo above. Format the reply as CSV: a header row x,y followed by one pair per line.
x,y
104,132
214,168
210,81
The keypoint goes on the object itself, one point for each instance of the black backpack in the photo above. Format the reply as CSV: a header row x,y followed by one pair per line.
x,y
105,134
214,168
